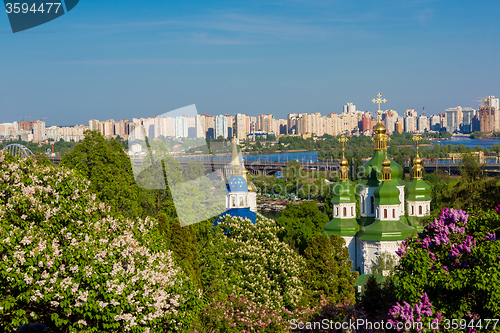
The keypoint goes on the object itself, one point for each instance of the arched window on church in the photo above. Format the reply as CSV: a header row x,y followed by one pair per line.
x,y
352,211
412,210
419,210
385,213
372,203
393,213
337,211
345,211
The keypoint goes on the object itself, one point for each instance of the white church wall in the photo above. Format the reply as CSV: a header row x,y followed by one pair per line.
x,y
371,250
415,210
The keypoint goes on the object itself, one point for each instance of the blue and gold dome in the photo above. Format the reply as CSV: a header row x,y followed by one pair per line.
x,y
236,183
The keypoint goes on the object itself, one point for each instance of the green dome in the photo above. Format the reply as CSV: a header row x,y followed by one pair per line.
x,y
386,231
418,190
343,192
370,171
386,194
342,227
397,173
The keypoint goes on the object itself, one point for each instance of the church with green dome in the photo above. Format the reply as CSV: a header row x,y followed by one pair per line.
x,y
386,217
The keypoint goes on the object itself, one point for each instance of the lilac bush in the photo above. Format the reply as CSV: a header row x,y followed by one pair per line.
x,y
67,263
242,314
455,262
419,318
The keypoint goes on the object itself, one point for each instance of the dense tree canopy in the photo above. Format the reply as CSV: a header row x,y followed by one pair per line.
x,y
107,167
301,223
328,270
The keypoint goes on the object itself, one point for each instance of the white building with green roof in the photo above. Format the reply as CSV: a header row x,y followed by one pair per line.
x,y
418,202
383,222
344,221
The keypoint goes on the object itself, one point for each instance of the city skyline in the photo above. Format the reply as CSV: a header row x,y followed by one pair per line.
x,y
106,62
187,123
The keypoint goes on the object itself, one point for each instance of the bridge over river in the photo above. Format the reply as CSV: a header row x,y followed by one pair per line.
x,y
263,167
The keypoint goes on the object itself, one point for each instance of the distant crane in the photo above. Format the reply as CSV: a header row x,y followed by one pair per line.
x,y
25,117
481,101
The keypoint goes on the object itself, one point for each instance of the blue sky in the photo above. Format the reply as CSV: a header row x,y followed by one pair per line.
x,y
125,59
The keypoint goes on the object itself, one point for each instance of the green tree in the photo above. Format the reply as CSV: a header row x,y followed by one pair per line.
x,y
301,223
470,168
182,242
193,170
476,135
378,298
292,171
328,270
106,165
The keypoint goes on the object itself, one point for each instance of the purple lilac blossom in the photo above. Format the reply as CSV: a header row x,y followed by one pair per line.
x,y
409,314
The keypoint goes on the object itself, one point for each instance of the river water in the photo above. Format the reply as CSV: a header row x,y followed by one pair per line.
x,y
312,156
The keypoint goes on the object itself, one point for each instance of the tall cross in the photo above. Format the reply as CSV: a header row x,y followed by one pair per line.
x,y
343,140
379,101
417,138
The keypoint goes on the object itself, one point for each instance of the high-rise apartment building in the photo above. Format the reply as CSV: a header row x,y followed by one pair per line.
x,y
93,124
390,117
435,123
221,126
454,119
9,129
241,126
349,108
423,124
38,131
367,122
468,121
411,113
291,123
410,124
493,103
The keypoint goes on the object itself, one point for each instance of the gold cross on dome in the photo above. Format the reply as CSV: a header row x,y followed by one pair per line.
x,y
379,101
343,140
416,138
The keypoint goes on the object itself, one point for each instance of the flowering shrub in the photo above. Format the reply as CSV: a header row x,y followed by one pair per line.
x,y
454,261
240,314
419,318
67,263
333,312
249,260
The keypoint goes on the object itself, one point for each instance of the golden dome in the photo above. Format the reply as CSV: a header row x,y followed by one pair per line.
x,y
386,169
379,128
417,160
252,187
343,162
386,163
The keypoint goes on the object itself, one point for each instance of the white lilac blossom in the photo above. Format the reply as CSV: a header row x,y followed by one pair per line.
x,y
62,255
